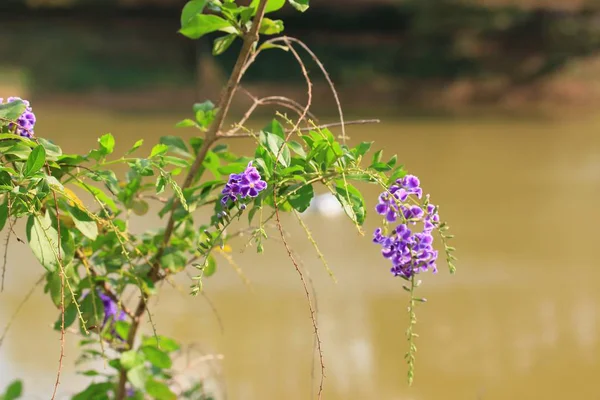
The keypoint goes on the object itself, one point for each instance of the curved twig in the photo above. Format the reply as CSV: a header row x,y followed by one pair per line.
x,y
19,307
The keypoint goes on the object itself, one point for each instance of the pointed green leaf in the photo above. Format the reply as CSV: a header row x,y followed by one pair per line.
x,y
157,357
271,27
3,213
138,376
158,150
84,223
272,5
164,343
221,44
211,267
201,24
135,146
352,201
131,359
13,110
159,391
13,391
43,240
190,10
300,5
35,161
302,197
107,144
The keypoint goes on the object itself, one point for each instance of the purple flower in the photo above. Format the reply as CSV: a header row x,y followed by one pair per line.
x,y
409,251
111,310
247,184
25,122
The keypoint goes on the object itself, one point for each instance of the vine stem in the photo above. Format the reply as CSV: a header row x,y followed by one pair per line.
x,y
250,38
62,295
313,315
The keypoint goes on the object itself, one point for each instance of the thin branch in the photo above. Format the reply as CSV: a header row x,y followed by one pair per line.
x,y
330,125
62,295
211,136
269,100
313,316
20,306
6,242
329,81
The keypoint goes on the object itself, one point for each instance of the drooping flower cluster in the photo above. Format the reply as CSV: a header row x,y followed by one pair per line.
x,y
25,122
410,251
247,184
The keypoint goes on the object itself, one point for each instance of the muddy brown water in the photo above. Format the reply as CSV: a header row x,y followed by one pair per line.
x,y
520,319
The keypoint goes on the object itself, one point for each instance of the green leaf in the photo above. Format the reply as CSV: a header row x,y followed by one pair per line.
x,y
157,357
131,359
300,5
297,148
275,127
135,146
96,391
352,201
122,328
52,150
70,316
377,156
274,144
159,391
158,150
43,241
99,194
53,285
272,5
271,27
35,161
92,309
12,110
90,372
221,44
186,123
3,213
211,267
173,260
205,106
381,167
13,391
192,8
201,24
362,149
161,182
107,144
164,343
138,376
176,145
301,199
392,161
84,223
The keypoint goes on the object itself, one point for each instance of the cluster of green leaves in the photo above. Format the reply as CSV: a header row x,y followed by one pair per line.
x,y
230,18
78,210
148,368
95,249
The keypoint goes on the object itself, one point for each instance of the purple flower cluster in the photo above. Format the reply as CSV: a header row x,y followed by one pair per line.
x,y
111,310
248,183
25,122
410,251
